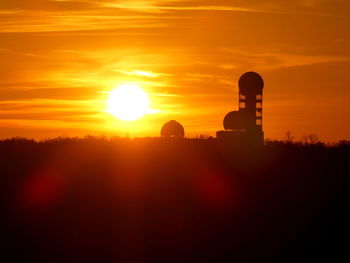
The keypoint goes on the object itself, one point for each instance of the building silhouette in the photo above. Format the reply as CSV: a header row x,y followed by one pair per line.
x,y
245,125
172,129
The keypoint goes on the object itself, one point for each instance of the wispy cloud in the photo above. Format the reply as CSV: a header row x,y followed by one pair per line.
x,y
142,73
275,60
165,95
49,109
74,21
87,15
158,6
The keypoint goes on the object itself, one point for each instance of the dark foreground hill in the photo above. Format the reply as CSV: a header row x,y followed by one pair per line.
x,y
156,200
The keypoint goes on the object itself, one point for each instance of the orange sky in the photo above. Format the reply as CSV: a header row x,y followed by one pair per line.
x,y
59,59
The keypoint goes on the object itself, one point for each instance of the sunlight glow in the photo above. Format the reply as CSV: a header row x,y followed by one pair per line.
x,y
128,102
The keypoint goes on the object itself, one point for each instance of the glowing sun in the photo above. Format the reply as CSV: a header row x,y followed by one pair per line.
x,y
128,102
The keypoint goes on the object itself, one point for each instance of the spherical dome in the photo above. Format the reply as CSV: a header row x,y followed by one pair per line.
x,y
250,83
235,120
172,129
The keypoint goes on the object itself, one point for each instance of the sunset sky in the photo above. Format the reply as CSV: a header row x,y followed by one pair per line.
x,y
60,59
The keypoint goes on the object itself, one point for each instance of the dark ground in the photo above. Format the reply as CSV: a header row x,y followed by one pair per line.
x,y
157,200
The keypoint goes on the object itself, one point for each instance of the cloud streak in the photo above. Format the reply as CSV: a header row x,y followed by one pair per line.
x,y
57,16
73,21
267,61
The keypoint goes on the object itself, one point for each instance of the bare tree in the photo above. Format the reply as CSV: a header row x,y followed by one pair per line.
x,y
289,137
310,139
313,138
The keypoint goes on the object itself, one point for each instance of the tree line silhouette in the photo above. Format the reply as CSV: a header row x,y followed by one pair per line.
x,y
173,200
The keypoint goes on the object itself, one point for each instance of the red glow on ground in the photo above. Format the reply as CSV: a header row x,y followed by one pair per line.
x,y
215,189
41,190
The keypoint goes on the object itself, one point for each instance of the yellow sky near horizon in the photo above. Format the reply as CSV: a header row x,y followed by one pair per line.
x,y
59,60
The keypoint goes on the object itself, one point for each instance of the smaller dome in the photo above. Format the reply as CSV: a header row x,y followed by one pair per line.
x,y
251,83
172,129
235,120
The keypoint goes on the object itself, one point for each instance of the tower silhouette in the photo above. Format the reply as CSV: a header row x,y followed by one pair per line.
x,y
245,126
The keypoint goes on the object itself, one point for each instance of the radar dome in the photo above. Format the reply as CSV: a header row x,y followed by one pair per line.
x,y
172,129
250,83
235,120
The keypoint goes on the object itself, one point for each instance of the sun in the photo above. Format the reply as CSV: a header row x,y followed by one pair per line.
x,y
128,102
